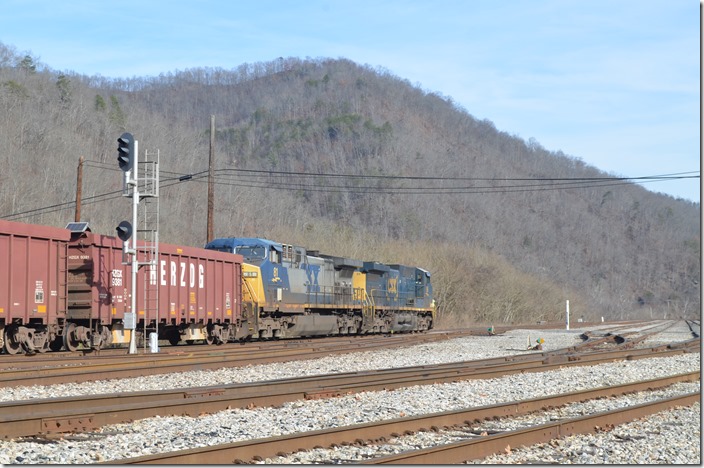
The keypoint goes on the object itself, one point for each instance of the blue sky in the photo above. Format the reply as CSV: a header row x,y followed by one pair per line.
x,y
613,82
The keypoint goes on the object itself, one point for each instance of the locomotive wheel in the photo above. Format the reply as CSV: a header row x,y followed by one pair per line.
x,y
11,346
70,343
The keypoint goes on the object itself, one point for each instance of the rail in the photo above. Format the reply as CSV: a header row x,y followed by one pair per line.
x,y
260,449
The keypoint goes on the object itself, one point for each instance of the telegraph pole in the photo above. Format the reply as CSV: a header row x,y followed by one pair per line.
x,y
211,184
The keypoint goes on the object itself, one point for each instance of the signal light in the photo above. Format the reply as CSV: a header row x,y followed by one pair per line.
x,y
125,151
124,230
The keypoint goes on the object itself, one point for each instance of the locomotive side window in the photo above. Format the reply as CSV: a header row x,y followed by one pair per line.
x,y
256,252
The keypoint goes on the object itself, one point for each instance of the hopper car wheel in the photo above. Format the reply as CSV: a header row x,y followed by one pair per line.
x,y
174,339
210,339
44,347
190,342
11,345
70,342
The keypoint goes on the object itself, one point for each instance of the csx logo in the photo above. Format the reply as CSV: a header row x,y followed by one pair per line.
x,y
392,286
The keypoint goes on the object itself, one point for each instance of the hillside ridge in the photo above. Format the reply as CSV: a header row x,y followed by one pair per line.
x,y
476,207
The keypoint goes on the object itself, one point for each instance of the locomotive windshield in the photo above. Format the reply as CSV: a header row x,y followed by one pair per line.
x,y
251,252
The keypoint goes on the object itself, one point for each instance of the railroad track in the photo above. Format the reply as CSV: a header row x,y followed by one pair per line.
x,y
88,356
695,327
259,449
58,415
74,369
485,446
625,335
57,368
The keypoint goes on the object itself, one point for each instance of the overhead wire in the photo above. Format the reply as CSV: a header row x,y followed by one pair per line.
x,y
309,182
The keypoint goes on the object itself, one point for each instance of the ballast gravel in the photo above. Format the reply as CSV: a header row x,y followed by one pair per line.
x,y
671,437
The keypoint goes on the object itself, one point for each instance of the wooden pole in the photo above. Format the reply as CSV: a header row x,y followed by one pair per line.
x,y
79,189
211,185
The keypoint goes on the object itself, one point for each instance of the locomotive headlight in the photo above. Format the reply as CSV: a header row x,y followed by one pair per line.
x,y
250,274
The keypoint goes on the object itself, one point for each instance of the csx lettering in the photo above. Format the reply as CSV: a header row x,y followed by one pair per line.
x,y
182,273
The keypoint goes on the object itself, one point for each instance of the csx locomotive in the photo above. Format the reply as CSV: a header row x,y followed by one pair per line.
x,y
69,289
296,292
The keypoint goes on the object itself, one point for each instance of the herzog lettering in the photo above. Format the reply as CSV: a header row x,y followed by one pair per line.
x,y
181,274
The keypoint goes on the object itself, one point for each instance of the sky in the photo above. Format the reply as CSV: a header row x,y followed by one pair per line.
x,y
615,83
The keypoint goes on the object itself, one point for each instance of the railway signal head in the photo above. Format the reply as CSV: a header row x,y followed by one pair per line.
x,y
125,151
124,230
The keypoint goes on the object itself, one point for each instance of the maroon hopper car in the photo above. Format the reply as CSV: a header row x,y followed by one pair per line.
x,y
32,286
68,288
192,294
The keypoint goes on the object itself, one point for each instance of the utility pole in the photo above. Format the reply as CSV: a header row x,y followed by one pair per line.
x,y
79,189
211,184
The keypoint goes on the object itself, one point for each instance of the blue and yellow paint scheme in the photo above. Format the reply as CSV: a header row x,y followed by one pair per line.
x,y
326,292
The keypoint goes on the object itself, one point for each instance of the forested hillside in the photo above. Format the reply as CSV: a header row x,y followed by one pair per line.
x,y
353,161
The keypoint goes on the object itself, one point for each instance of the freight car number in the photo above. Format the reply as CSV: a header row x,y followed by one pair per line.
x,y
116,277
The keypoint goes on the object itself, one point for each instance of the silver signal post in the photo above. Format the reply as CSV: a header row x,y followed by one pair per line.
x,y
127,158
145,188
135,260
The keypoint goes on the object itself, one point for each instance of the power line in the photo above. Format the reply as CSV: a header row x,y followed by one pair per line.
x,y
260,172
305,181
499,187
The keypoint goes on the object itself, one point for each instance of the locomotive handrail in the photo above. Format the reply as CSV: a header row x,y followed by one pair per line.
x,y
250,290
335,295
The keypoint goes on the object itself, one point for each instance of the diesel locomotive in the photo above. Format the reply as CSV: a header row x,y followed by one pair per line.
x,y
295,292
70,289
